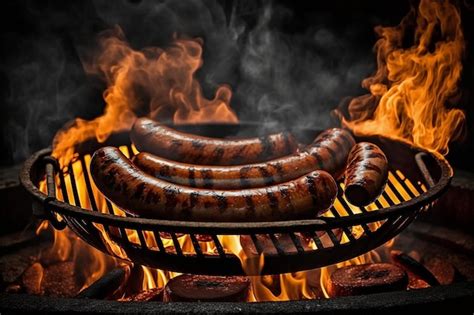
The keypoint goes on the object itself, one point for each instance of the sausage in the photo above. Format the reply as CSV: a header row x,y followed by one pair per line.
x,y
367,279
366,174
328,152
153,137
203,288
144,195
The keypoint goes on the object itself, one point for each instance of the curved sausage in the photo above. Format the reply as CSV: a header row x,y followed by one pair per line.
x,y
366,174
153,137
144,195
328,152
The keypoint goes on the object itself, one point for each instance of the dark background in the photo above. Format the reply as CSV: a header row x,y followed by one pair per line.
x,y
43,85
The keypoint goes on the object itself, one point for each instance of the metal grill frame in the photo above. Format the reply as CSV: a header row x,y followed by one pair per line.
x,y
393,220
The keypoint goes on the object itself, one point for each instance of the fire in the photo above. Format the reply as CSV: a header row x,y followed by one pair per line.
x,y
407,100
156,82
412,87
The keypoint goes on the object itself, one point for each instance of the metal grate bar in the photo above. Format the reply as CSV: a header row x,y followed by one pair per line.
x,y
337,215
349,210
395,190
62,183
75,193
88,185
277,244
159,242
297,243
176,244
316,240
333,237
219,247
142,239
196,246
255,241
404,185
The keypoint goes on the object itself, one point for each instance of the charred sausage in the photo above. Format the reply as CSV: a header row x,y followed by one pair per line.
x,y
153,137
328,152
366,174
144,195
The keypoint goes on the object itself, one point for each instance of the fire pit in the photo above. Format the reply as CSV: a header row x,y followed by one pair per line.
x,y
416,179
93,237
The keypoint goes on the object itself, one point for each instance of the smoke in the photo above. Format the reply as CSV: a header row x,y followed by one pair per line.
x,y
281,75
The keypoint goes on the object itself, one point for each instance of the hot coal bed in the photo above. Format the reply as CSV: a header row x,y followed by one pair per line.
x,y
64,247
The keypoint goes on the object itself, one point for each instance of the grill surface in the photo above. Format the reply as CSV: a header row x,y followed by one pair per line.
x,y
416,179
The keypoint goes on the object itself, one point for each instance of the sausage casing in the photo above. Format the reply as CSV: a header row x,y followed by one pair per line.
x,y
328,152
144,195
153,137
366,174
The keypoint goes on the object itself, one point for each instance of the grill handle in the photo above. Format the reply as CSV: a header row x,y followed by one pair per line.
x,y
44,211
424,170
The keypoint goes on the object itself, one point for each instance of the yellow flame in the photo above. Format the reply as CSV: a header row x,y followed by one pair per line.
x,y
412,88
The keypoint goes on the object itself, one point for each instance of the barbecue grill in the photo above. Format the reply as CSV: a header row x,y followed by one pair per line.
x,y
416,179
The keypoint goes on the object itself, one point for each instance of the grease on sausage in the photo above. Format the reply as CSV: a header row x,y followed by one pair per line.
x,y
144,195
153,137
366,174
328,152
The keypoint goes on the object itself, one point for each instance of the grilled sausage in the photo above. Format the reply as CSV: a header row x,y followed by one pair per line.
x,y
366,174
144,195
150,136
328,152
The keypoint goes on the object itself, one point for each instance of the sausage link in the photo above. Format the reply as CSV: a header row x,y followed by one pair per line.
x,y
366,174
144,195
328,152
150,136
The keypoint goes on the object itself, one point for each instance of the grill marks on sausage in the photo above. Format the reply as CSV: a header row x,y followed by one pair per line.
x,y
366,174
267,146
328,152
207,178
244,171
221,202
311,185
150,197
192,180
155,138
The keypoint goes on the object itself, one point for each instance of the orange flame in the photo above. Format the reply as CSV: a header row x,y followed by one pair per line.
x,y
413,85
407,99
156,82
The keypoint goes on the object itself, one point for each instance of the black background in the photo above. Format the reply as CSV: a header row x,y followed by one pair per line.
x,y
75,24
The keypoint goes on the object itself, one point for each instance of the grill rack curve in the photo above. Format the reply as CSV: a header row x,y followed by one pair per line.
x,y
345,233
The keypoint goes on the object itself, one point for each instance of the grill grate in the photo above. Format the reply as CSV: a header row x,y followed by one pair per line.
x,y
345,231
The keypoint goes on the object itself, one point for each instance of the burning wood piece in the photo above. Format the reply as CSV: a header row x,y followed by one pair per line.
x,y
105,286
366,279
267,245
416,268
444,271
203,238
153,295
192,288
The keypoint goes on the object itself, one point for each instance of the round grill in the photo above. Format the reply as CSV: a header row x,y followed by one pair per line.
x,y
70,198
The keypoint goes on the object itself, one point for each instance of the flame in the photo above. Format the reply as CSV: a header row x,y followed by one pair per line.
x,y
156,82
412,87
407,100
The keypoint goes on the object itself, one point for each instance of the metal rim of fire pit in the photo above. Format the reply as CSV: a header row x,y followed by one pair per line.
x,y
83,222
